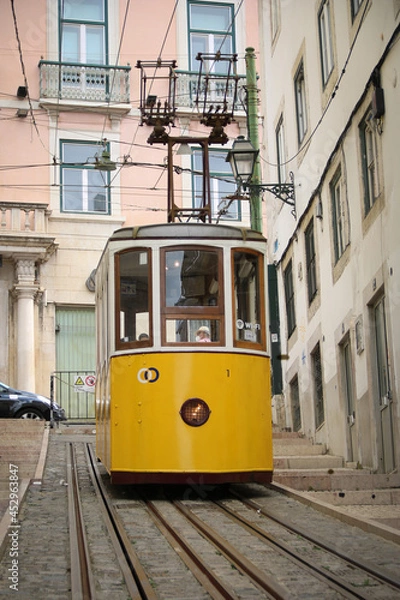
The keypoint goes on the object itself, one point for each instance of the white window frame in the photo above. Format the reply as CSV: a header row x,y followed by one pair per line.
x,y
326,41
301,105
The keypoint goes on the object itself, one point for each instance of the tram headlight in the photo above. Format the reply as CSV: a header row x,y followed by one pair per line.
x,y
195,412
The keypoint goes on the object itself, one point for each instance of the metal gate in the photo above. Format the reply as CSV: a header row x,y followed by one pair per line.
x,y
75,356
76,400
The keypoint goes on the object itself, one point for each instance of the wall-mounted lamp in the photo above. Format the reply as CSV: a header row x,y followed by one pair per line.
x,y
242,158
22,113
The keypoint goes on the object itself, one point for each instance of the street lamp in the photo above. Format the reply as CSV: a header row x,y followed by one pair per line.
x,y
242,158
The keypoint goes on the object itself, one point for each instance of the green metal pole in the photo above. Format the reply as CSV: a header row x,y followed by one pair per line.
x,y
252,126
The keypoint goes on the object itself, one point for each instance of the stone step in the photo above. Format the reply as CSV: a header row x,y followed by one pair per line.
x,y
20,445
277,435
323,461
293,449
374,497
318,480
288,441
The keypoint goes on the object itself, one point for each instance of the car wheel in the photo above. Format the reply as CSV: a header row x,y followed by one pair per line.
x,y
30,413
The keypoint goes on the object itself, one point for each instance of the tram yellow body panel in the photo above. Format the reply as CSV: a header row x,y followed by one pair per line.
x,y
143,432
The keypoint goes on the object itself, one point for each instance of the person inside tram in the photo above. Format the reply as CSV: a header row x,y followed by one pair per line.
x,y
143,336
203,334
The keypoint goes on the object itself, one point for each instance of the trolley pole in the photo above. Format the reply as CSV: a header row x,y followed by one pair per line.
x,y
252,127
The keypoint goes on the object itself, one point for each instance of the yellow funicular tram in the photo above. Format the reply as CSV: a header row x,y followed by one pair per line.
x,y
183,367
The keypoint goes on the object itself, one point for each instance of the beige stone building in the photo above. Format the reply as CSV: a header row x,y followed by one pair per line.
x,y
331,117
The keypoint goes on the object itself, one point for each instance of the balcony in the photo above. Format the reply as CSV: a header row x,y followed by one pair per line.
x,y
23,230
84,83
186,91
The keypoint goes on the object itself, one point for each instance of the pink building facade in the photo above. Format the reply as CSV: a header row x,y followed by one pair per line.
x,y
71,91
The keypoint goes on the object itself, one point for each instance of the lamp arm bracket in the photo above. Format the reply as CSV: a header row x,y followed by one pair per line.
x,y
283,191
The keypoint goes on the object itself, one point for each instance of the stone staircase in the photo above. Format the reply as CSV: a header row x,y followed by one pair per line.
x,y
301,465
20,444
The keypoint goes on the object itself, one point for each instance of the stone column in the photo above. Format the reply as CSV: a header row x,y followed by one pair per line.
x,y
26,291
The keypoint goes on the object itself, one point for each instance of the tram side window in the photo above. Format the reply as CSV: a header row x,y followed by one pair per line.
x,y
248,298
132,297
192,305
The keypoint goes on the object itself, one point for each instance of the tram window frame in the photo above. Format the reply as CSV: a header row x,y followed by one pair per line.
x,y
237,343
120,343
197,314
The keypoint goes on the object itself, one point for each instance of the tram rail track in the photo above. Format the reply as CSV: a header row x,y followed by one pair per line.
x,y
176,517
380,574
82,581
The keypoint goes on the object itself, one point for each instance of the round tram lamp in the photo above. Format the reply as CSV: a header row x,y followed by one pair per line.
x,y
195,412
242,158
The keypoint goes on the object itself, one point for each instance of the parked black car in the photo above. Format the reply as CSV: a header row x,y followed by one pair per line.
x,y
16,404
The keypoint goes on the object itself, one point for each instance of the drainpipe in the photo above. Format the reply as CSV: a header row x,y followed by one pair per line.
x,y
252,127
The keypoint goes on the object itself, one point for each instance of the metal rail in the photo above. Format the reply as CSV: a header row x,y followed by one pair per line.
x,y
381,575
136,580
334,582
265,582
210,582
82,582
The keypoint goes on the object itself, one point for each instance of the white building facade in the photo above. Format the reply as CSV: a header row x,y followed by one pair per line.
x,y
330,103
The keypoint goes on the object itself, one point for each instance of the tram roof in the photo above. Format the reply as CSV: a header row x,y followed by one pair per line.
x,y
187,230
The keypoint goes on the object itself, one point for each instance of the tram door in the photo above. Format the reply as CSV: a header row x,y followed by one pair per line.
x,y
385,401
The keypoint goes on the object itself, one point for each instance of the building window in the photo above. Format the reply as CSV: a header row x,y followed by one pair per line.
x,y
355,7
222,184
301,109
295,403
347,379
369,159
83,188
289,298
311,262
325,40
275,17
281,151
318,386
83,32
340,216
210,31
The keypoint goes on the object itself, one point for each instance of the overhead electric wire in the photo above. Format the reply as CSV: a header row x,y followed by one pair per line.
x,y
21,60
117,60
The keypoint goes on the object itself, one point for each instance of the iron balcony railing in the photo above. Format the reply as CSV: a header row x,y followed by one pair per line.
x,y
100,83
187,93
82,82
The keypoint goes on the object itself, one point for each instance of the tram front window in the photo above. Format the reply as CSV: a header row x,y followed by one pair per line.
x,y
248,325
191,278
132,296
192,304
